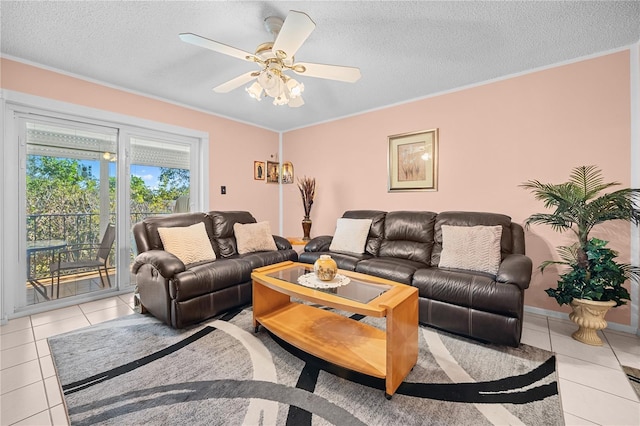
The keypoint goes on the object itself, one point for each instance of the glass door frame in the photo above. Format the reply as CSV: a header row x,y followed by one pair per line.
x,y
104,212
12,218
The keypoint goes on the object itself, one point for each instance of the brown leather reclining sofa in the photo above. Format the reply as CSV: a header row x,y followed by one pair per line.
x,y
180,294
405,246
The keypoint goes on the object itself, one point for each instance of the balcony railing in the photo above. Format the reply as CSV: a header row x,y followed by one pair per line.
x,y
73,228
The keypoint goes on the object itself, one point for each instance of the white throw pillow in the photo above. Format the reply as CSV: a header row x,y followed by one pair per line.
x,y
474,248
190,244
351,235
253,237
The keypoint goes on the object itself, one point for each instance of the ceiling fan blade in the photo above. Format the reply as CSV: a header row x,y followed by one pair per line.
x,y
295,30
215,46
235,83
330,72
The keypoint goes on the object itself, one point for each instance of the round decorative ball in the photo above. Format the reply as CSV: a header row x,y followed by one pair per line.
x,y
325,268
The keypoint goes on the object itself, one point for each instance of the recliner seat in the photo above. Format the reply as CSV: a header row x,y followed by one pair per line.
x,y
405,247
180,294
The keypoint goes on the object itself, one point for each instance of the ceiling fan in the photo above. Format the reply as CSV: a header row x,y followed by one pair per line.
x,y
274,59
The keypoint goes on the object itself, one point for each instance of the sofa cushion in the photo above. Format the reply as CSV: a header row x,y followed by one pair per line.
x,y
376,232
190,244
252,237
408,235
350,235
151,225
474,248
391,268
457,218
264,258
346,261
223,230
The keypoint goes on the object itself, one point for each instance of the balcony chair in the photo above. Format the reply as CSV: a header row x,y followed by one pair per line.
x,y
81,257
182,204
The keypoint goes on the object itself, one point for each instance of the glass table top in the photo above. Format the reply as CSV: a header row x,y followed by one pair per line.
x,y
358,289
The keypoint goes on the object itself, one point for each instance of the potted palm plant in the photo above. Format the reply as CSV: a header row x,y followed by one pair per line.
x,y
593,282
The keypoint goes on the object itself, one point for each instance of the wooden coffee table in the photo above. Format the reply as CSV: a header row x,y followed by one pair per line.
x,y
335,338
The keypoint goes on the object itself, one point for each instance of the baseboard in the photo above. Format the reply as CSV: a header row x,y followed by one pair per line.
x,y
561,315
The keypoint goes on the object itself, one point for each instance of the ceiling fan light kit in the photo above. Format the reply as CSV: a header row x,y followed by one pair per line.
x,y
274,83
275,58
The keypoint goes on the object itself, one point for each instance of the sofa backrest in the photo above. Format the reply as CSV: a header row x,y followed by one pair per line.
x,y
458,218
408,235
146,233
376,232
225,244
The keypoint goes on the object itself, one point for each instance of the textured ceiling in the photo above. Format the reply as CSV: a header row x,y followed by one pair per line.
x,y
405,50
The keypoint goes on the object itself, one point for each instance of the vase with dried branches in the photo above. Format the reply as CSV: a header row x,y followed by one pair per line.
x,y
307,187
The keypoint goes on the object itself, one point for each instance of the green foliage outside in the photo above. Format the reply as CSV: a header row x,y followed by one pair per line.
x,y
172,183
63,200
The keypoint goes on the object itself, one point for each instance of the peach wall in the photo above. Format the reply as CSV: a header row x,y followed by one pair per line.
x,y
492,138
233,146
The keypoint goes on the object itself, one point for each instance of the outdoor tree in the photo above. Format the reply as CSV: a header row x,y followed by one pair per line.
x,y
57,185
173,183
59,189
63,199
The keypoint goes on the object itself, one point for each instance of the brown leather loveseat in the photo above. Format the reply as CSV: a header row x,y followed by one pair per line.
x,y
406,246
181,294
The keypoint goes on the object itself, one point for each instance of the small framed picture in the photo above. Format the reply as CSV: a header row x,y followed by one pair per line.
x,y
287,172
273,172
413,161
259,170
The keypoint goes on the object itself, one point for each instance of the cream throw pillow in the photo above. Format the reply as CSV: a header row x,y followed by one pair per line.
x,y
351,235
253,237
190,244
474,248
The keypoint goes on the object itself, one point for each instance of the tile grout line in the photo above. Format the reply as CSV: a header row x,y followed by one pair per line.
x,y
582,418
562,404
550,344
44,385
41,376
617,368
599,390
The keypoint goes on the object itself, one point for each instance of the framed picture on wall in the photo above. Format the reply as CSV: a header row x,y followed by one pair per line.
x,y
287,172
273,172
413,161
259,170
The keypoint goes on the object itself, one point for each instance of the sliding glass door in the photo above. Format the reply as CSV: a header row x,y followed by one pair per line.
x,y
81,185
70,208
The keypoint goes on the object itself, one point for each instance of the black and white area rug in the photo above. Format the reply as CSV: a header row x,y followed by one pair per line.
x,y
633,374
136,370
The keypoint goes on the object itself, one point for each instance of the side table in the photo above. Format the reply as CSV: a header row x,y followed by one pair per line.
x,y
298,243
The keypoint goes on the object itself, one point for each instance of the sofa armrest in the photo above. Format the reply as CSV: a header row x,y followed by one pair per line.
x,y
320,243
163,261
282,243
516,269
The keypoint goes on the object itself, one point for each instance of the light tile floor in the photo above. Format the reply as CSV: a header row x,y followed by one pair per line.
x,y
593,388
